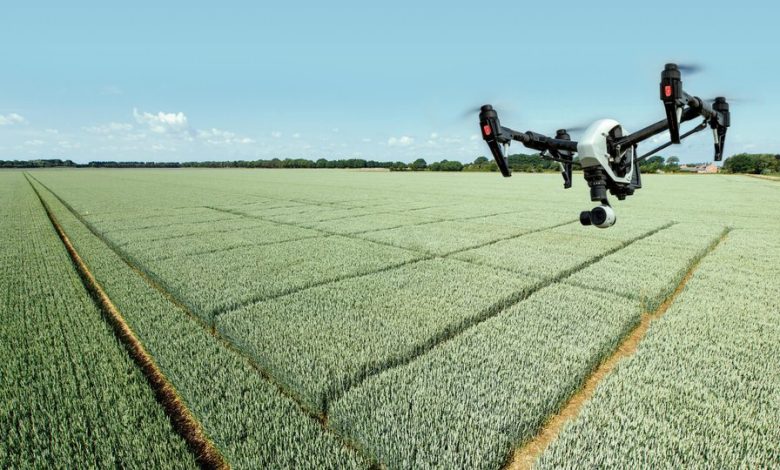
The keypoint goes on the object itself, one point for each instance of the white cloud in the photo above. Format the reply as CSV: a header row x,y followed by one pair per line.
x,y
662,137
110,128
34,143
163,123
163,148
296,136
276,134
217,136
66,144
366,139
434,136
403,141
11,119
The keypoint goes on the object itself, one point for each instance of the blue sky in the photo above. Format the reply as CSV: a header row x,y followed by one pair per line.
x,y
237,80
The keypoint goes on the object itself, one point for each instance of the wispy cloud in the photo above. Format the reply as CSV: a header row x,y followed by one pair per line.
x,y
403,141
662,137
163,123
217,137
11,119
110,128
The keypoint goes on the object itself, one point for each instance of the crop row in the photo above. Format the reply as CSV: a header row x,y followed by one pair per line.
x,y
703,389
470,400
246,416
650,269
70,395
320,341
551,253
218,237
216,282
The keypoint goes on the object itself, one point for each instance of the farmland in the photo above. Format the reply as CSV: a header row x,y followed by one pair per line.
x,y
338,319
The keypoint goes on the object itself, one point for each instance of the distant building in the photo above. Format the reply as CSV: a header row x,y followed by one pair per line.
x,y
703,168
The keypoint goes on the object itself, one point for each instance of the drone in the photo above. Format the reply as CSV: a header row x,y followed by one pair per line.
x,y
607,153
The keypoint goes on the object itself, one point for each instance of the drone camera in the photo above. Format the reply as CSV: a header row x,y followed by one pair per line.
x,y
602,216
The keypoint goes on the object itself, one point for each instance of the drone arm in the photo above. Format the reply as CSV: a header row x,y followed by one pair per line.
x,y
540,142
496,135
696,129
654,129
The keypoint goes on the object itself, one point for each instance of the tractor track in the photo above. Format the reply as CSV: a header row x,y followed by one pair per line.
x,y
183,421
209,329
525,456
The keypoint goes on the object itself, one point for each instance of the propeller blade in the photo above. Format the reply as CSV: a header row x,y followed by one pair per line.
x,y
741,100
582,125
505,111
470,112
690,68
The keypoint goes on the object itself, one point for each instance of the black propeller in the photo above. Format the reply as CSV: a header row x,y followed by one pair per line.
x,y
740,100
507,110
690,68
578,128
469,113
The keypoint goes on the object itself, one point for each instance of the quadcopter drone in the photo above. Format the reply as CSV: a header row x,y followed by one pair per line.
x,y
607,153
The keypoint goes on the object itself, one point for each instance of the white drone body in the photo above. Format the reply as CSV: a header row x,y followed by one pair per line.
x,y
593,149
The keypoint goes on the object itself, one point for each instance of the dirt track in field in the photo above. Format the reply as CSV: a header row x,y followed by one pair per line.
x,y
524,457
206,453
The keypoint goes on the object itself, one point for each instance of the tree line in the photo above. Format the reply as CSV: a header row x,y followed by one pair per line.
x,y
533,163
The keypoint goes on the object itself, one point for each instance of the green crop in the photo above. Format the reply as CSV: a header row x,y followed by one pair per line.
x,y
703,390
70,395
336,319
468,401
252,423
320,341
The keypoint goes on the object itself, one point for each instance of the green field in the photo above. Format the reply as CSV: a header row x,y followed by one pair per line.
x,y
345,319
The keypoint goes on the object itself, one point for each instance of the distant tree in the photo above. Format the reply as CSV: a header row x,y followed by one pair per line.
x,y
652,164
446,165
751,163
672,161
418,165
480,160
451,165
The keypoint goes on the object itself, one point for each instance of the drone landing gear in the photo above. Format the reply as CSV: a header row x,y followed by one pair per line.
x,y
602,216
